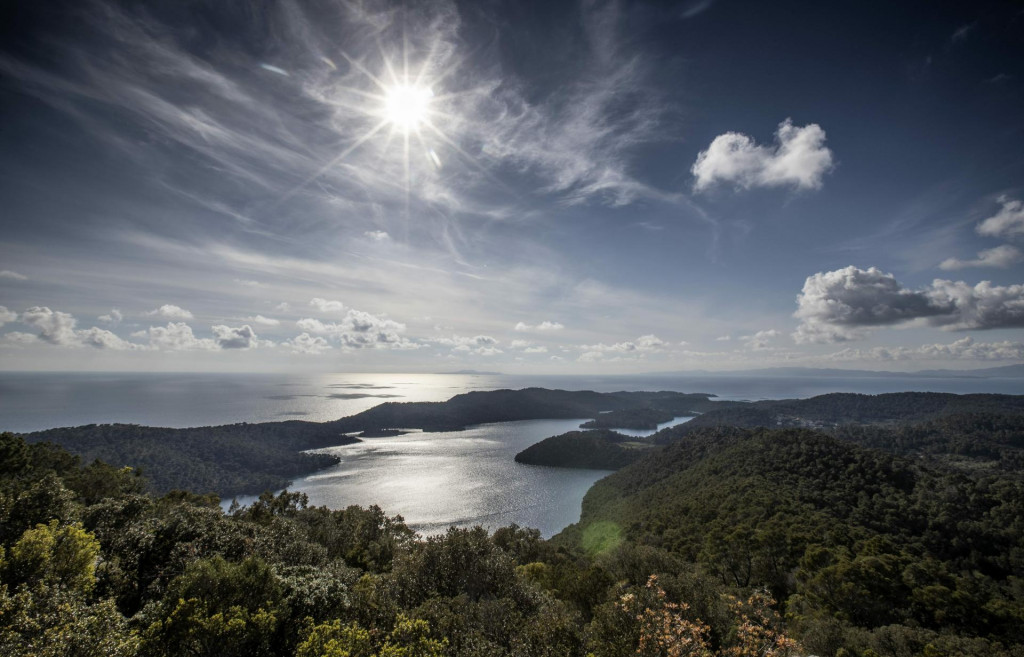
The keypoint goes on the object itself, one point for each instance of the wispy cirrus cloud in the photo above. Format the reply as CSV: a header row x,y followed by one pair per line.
x,y
1001,256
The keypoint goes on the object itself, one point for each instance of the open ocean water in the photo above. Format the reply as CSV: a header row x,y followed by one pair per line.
x,y
433,480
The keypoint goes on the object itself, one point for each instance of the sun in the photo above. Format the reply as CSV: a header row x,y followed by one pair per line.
x,y
407,106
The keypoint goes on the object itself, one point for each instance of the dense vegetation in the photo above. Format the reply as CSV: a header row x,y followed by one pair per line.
x,y
869,550
228,460
599,450
630,418
91,565
835,409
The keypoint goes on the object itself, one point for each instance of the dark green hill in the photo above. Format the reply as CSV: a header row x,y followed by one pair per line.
x,y
598,450
229,460
512,405
852,537
825,411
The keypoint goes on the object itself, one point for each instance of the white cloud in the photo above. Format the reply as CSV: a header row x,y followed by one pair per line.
x,y
543,326
1008,222
798,158
304,343
326,306
228,337
536,350
264,321
723,338
1001,256
13,275
7,316
58,328
963,349
983,306
840,305
761,340
377,235
18,338
54,326
283,307
113,317
104,339
170,311
520,344
632,348
359,330
176,336
481,345
248,283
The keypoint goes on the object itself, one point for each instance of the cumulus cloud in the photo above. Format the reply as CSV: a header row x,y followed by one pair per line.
x,y
840,305
629,349
480,345
18,338
304,343
760,340
113,317
1001,256
228,337
13,275
360,330
176,336
799,158
543,326
104,339
58,328
377,235
7,316
55,327
963,349
170,311
326,306
1008,222
982,306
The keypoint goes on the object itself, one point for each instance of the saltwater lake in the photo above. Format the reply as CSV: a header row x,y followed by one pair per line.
x,y
433,480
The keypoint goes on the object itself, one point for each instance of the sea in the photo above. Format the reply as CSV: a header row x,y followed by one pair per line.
x,y
433,480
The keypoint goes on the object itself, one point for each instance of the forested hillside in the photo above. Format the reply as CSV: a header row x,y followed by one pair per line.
x,y
229,460
865,547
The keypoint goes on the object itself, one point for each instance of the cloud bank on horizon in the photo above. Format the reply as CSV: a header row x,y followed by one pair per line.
x,y
596,187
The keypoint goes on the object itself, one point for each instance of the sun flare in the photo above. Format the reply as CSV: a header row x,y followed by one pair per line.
x,y
407,106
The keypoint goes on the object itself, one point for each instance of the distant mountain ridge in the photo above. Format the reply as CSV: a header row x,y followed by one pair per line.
x,y
1004,371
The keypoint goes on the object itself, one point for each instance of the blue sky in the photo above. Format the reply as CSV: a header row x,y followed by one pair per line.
x,y
571,187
